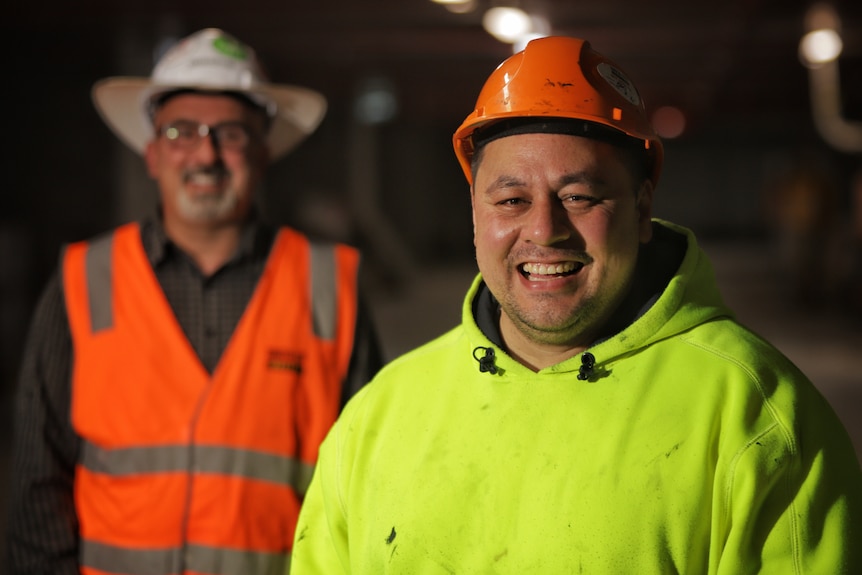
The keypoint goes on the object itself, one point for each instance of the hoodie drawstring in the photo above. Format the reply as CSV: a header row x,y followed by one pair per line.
x,y
588,361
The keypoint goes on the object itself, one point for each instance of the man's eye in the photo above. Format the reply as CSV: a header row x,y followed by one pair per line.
x,y
578,199
232,133
510,202
180,132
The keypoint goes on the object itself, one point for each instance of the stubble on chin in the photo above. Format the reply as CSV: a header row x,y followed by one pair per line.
x,y
548,319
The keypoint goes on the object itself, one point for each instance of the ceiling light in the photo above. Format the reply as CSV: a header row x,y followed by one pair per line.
x,y
459,6
507,24
819,47
822,42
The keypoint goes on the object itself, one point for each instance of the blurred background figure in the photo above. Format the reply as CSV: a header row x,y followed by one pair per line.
x,y
181,370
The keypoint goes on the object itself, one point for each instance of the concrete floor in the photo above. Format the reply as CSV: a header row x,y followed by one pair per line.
x,y
825,342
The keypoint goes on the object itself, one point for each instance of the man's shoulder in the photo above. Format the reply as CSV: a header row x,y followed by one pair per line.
x,y
103,235
727,337
744,362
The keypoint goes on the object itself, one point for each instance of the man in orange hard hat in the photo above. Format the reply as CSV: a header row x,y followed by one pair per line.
x,y
181,371
598,410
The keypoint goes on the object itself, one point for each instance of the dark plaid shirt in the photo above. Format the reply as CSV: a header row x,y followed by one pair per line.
x,y
42,524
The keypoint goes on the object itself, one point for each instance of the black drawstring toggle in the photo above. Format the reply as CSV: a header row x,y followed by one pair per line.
x,y
588,361
487,361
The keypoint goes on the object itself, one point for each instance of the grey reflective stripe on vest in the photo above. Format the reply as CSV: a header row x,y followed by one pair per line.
x,y
245,463
197,558
98,266
324,299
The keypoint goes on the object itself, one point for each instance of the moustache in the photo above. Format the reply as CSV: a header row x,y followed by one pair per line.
x,y
217,172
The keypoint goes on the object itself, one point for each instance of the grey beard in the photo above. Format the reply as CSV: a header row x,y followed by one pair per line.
x,y
207,208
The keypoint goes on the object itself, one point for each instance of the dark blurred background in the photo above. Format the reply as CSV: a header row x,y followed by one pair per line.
x,y
774,194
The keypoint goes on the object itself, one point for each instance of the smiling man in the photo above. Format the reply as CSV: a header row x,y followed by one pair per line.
x,y
182,370
598,410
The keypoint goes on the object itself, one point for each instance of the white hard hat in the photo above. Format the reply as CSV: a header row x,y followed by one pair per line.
x,y
208,60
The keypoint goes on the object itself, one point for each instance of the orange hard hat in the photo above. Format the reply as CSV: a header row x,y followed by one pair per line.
x,y
560,78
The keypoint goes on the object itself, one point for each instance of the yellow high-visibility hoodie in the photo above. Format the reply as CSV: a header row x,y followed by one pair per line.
x,y
689,445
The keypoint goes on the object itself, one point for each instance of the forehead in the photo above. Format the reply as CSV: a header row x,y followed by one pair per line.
x,y
542,152
206,108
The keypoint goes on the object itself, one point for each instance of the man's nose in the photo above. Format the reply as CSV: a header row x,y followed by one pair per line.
x,y
208,150
547,223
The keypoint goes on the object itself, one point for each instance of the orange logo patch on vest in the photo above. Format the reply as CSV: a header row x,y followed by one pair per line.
x,y
284,360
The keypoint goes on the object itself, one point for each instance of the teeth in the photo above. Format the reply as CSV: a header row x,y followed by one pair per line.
x,y
550,269
203,179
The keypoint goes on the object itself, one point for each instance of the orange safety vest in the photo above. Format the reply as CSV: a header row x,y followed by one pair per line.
x,y
182,471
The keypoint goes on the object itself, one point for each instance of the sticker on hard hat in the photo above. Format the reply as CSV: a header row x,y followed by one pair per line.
x,y
619,82
229,47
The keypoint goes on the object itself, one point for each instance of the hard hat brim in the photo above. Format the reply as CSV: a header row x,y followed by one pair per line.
x,y
122,103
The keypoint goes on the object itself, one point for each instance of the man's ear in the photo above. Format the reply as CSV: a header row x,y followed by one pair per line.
x,y
644,208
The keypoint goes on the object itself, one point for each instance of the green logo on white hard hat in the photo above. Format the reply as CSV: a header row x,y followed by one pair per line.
x,y
229,47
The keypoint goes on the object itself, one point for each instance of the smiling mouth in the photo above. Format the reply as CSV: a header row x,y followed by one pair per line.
x,y
537,271
203,179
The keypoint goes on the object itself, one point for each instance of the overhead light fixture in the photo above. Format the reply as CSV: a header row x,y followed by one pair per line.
x,y
819,50
462,7
507,24
457,6
822,41
820,46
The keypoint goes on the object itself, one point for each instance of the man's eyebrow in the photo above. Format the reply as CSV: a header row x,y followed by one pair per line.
x,y
580,177
503,182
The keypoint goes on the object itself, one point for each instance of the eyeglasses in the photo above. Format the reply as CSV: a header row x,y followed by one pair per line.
x,y
188,135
